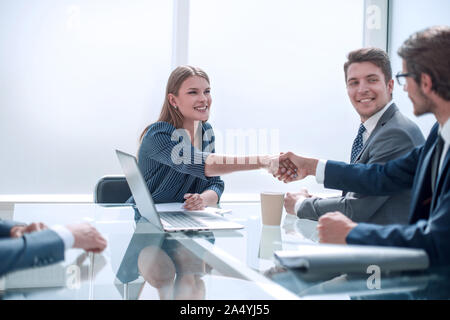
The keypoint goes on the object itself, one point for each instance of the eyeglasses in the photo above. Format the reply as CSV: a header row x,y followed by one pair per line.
x,y
401,77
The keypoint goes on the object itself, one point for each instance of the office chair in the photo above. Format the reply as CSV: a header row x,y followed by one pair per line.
x,y
112,189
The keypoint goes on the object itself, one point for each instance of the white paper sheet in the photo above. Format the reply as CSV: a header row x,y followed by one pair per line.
x,y
178,206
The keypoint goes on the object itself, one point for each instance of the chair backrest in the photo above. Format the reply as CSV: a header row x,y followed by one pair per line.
x,y
112,189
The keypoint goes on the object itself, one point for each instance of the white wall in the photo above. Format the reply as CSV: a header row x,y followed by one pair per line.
x,y
77,79
81,78
407,17
277,66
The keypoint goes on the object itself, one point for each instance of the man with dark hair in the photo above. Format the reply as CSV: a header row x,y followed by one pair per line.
x,y
376,56
423,54
425,170
384,134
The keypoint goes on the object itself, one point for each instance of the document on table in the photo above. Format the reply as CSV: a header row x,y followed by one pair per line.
x,y
329,258
178,206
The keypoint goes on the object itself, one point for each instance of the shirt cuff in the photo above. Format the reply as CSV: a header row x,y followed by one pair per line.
x,y
65,235
298,204
320,171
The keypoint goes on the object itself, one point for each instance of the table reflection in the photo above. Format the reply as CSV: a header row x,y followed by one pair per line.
x,y
173,270
270,241
67,280
143,263
164,263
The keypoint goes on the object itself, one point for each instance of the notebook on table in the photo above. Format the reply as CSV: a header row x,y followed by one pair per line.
x,y
332,259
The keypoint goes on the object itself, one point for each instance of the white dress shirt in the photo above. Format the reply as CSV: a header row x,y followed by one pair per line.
x,y
444,131
370,125
65,234
372,122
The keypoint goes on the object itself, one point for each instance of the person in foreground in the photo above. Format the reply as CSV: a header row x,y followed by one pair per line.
x,y
425,170
36,245
177,156
384,134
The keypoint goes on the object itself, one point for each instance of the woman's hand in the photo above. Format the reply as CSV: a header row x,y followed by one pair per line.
x,y
194,201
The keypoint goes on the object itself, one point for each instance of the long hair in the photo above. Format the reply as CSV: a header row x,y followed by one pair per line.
x,y
169,113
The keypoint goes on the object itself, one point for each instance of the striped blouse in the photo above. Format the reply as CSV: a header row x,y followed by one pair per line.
x,y
172,166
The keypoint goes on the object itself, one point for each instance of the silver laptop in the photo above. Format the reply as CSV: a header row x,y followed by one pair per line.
x,y
167,221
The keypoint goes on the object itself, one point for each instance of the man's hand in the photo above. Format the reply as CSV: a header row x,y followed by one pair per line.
x,y
290,199
333,227
293,167
18,231
87,237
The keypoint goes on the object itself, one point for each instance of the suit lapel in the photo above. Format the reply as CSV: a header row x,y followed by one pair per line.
x,y
441,178
422,174
421,192
388,114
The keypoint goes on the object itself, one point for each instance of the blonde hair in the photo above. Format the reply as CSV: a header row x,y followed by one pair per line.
x,y
169,113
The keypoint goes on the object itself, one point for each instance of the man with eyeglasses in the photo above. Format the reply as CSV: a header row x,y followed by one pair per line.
x,y
425,170
384,134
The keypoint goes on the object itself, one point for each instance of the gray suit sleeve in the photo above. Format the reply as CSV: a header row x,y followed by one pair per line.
x,y
358,209
5,227
389,144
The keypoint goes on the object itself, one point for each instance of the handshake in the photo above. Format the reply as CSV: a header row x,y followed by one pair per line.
x,y
288,167
332,227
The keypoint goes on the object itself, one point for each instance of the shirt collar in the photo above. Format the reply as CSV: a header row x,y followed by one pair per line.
x,y
444,131
371,123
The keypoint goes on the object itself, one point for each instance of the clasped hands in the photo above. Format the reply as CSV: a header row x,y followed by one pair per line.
x,y
288,167
332,227
85,236
18,231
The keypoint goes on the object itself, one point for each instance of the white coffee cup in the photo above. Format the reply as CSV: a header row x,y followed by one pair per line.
x,y
271,208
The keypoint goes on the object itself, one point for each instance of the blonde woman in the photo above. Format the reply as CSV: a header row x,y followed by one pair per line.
x,y
176,155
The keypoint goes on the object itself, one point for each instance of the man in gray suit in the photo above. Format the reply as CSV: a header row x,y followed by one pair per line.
x,y
384,134
26,246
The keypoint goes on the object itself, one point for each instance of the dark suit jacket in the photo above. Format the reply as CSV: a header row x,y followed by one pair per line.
x,y
429,216
31,250
393,136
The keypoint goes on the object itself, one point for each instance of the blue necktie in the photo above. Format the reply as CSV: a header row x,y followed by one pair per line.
x,y
357,144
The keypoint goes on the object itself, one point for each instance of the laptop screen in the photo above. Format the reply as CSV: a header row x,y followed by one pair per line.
x,y
138,187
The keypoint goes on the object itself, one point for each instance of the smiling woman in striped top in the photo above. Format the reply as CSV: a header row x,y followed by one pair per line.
x,y
177,156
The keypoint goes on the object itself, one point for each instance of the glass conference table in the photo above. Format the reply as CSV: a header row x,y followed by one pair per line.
x,y
141,263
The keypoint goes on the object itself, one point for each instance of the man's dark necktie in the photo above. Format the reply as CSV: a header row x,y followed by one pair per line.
x,y
435,162
357,143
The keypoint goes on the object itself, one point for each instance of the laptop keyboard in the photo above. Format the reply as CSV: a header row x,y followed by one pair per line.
x,y
180,219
